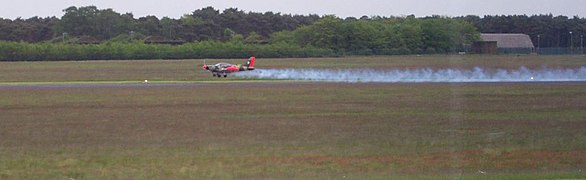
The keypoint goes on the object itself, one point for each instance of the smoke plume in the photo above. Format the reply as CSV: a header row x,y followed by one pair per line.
x,y
477,74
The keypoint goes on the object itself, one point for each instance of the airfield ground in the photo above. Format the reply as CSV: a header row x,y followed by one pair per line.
x,y
190,70
234,128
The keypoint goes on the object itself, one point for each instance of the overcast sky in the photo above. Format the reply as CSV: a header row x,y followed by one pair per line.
x,y
342,8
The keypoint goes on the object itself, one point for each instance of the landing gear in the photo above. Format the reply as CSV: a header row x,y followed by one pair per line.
x,y
219,75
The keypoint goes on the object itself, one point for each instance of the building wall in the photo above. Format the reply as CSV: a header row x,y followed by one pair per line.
x,y
484,47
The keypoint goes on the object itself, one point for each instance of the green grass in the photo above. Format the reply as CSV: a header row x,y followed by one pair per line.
x,y
251,129
322,131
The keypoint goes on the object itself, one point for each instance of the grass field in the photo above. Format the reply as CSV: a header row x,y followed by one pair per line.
x,y
290,129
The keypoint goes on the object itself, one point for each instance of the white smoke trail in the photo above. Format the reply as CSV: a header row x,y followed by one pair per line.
x,y
477,74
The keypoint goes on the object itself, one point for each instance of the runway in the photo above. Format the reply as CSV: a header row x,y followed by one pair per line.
x,y
126,84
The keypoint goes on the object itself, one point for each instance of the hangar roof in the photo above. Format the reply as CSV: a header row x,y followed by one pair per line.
x,y
509,40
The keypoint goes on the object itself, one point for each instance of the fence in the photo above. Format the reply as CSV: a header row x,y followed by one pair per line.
x,y
560,51
515,50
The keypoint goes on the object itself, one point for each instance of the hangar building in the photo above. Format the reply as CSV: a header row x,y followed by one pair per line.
x,y
504,44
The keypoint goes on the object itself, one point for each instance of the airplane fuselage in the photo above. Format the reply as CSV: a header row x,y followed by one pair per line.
x,y
223,69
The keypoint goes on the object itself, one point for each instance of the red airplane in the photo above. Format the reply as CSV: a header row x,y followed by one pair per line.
x,y
223,69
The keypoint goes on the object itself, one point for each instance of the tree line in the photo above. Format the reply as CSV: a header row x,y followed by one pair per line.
x,y
386,36
104,24
211,24
241,31
328,36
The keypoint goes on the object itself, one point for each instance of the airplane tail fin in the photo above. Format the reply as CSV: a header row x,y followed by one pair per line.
x,y
205,66
250,62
